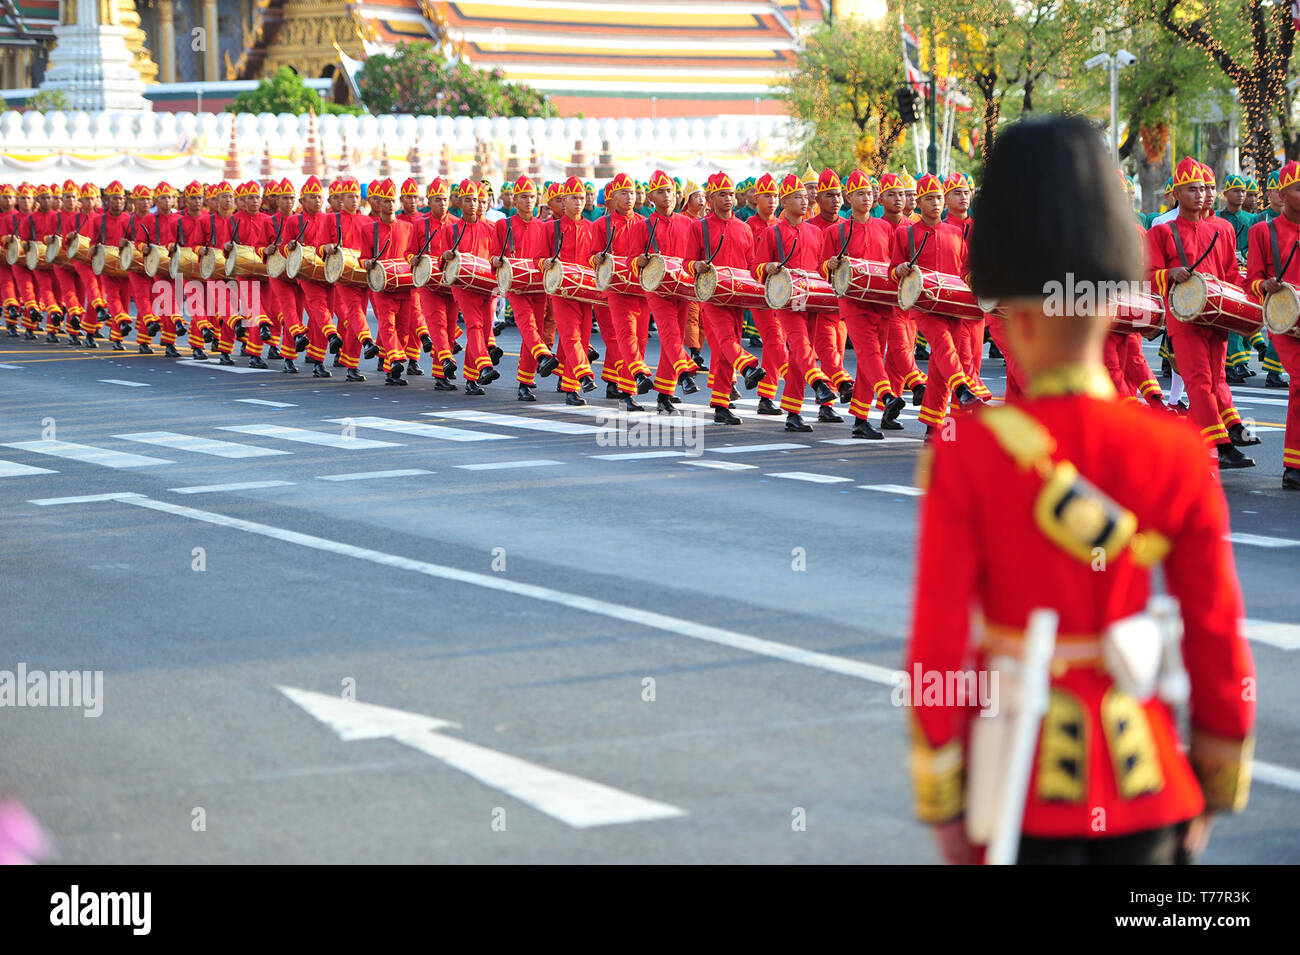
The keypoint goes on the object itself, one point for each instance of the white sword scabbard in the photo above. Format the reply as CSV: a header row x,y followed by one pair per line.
x,y
1035,682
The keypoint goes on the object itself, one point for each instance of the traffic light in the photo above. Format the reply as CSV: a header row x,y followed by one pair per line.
x,y
909,104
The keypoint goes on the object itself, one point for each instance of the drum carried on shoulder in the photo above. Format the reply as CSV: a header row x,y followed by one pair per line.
x,y
1205,300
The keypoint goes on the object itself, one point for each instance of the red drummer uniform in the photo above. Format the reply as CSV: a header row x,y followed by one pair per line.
x,y
1106,763
574,241
629,314
528,240
970,346
1201,350
72,295
41,226
775,359
394,312
214,233
730,243
140,286
666,235
343,228
832,332
8,292
309,229
803,245
160,229
868,325
111,230
900,358
944,251
1263,263
479,239
89,287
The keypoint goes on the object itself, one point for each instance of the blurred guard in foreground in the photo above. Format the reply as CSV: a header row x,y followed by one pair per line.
x,y
1066,503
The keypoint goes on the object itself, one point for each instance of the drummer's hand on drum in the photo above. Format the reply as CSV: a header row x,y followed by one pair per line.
x,y
365,263
228,247
496,262
1271,284
832,263
642,260
903,269
1179,274
269,249
328,249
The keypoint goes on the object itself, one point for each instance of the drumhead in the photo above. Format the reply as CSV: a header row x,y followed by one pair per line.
x,y
52,250
988,304
652,276
1187,299
207,263
376,278
604,272
32,255
74,245
842,278
505,273
553,277
98,256
451,269
152,259
909,289
706,283
333,266
232,259
777,288
275,264
1281,310
293,261
174,263
421,271
126,256
13,249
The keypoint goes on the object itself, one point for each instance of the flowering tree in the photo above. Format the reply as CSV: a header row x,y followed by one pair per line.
x,y
416,78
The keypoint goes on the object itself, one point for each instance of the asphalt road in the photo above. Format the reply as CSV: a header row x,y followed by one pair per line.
x,y
702,632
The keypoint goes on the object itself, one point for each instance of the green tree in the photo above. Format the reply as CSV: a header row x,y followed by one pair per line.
x,y
47,101
841,92
417,78
285,92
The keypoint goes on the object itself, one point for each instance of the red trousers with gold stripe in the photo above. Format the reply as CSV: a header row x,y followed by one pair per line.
x,y
868,327
946,371
529,312
1015,375
775,357
1202,353
1288,350
320,319
828,343
670,316
434,308
724,326
630,319
1138,373
477,309
970,346
573,324
801,368
900,357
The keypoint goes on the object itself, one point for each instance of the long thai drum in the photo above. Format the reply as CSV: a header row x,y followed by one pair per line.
x,y
52,250
572,280
76,248
1137,312
462,270
34,252
939,294
303,262
864,280
797,290
106,260
727,286
183,262
426,270
519,277
156,258
211,261
1282,311
275,263
617,273
244,262
343,267
389,275
668,277
1205,300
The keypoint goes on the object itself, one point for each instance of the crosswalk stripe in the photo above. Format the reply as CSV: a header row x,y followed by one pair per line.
x,y
268,404
1260,400
1284,636
612,417
868,443
14,469
239,486
1257,540
903,489
89,455
517,421
723,465
185,442
419,429
304,436
810,477
215,366
638,455
127,384
367,475
506,465
747,448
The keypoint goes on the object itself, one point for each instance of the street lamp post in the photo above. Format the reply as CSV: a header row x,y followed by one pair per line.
x,y
1114,64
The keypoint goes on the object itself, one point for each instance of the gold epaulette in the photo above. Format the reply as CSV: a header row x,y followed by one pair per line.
x,y
938,777
1222,766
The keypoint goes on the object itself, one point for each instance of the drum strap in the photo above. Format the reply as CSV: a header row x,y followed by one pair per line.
x,y
212,228
913,250
279,227
338,226
130,228
103,228
157,228
651,241
234,230
1277,255
302,226
557,240
31,226
845,236
77,227
780,245
510,236
609,231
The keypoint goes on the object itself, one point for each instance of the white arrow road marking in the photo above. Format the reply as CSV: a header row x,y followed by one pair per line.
x,y
577,802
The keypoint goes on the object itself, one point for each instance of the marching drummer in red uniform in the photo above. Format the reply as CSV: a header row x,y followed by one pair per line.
x,y
138,284
308,227
831,333
1173,248
791,242
957,190
629,314
524,236
110,227
159,228
571,238
725,241
1272,245
349,301
67,286
442,307
8,291
936,247
862,237
900,356
472,235
775,358
388,239
1051,487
